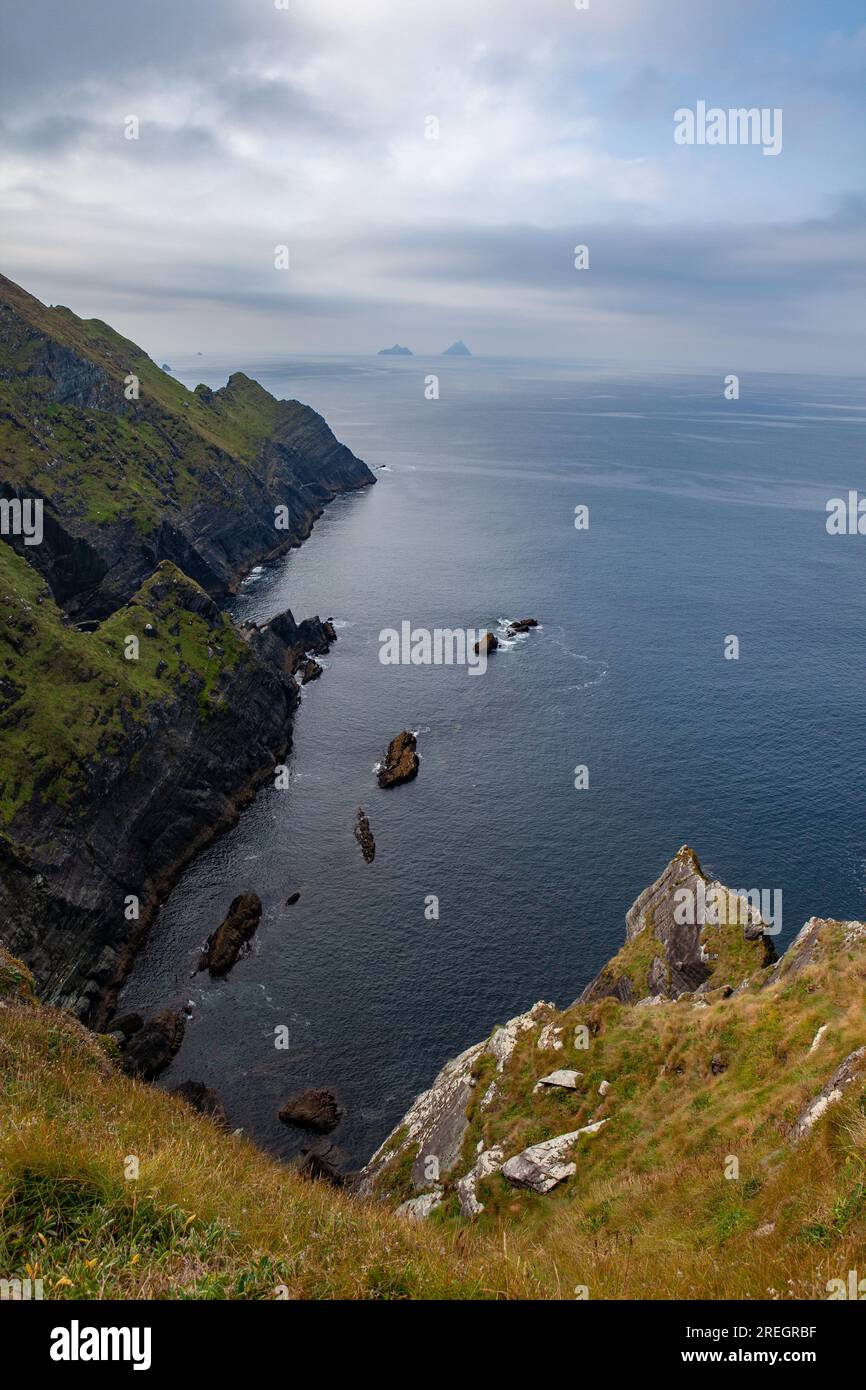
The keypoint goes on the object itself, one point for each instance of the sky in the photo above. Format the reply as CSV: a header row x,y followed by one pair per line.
x,y
306,124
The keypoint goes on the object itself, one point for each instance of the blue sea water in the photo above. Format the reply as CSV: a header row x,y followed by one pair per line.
x,y
707,519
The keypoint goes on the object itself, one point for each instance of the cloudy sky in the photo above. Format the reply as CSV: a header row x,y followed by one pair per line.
x,y
306,126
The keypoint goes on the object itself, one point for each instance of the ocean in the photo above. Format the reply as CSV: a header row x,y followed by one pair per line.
x,y
706,522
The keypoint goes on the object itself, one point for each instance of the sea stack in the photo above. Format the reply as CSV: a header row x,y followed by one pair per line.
x,y
400,763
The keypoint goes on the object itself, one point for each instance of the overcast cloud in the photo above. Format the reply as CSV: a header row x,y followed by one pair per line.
x,y
306,127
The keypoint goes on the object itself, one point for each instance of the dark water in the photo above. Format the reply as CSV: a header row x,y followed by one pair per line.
x,y
706,519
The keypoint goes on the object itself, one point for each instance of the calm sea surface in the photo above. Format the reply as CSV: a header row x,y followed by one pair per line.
x,y
707,518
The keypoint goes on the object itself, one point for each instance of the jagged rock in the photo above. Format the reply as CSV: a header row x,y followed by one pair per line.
x,y
225,944
487,1162
151,1047
683,963
201,1098
436,1124
310,671
364,836
566,1078
488,643
845,1075
542,1166
400,763
504,1040
314,1109
549,1039
419,1208
521,625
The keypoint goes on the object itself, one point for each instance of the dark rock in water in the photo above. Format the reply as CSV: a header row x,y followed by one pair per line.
x,y
202,1099
293,898
224,946
489,642
364,836
321,1161
400,763
151,1048
395,351
127,1024
310,671
329,630
316,1110
523,625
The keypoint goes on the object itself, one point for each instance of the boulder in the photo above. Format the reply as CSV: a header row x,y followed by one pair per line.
x,y
542,1166
400,763
202,1099
488,643
152,1046
293,898
225,944
565,1078
314,1109
523,624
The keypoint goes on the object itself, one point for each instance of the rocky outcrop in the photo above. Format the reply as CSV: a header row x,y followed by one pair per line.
x,y
150,1048
487,644
226,943
521,625
671,941
364,836
400,763
201,1098
314,1109
845,1075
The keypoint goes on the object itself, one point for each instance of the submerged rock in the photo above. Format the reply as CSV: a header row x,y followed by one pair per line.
x,y
400,763
152,1046
320,1161
314,1109
293,898
224,946
364,836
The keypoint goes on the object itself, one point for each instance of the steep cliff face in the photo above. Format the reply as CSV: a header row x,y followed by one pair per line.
x,y
133,469
124,749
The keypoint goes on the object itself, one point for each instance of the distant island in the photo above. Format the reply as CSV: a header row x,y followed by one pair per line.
x,y
458,349
395,351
